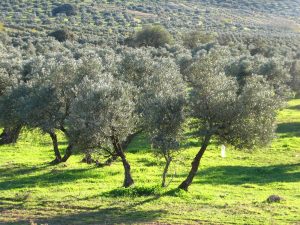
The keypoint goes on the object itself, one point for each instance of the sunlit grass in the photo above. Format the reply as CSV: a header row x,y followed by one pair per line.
x,y
226,190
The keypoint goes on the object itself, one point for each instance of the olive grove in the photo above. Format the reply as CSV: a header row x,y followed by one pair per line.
x,y
100,97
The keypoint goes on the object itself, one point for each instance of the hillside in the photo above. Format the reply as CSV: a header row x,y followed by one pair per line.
x,y
120,18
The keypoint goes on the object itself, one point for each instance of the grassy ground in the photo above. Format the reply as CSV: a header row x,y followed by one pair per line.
x,y
232,190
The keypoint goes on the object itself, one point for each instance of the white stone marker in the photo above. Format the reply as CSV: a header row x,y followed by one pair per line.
x,y
223,151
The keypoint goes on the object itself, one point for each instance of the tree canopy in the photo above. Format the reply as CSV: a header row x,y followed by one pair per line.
x,y
154,36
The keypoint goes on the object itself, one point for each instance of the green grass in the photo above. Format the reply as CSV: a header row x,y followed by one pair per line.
x,y
232,190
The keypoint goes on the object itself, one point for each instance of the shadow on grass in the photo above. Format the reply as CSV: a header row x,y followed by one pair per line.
x,y
236,175
61,144
153,162
137,191
289,129
295,107
19,169
154,192
55,176
113,215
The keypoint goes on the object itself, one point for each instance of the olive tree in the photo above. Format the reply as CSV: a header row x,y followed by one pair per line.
x,y
242,115
50,95
114,105
103,116
42,98
154,36
53,82
62,35
11,67
68,9
193,39
163,111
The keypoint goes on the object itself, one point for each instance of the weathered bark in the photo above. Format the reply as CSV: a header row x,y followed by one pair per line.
x,y
195,165
128,181
68,153
166,169
55,148
10,135
69,150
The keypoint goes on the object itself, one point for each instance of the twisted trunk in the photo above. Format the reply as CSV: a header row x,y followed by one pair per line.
x,y
55,148
128,181
69,150
10,135
166,169
68,153
195,165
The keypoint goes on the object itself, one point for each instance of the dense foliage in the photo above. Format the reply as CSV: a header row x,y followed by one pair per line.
x,y
67,9
155,36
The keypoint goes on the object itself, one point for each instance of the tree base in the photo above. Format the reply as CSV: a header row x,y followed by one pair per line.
x,y
183,186
10,135
55,162
128,183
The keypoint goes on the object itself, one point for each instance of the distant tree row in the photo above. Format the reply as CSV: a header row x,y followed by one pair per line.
x,y
111,21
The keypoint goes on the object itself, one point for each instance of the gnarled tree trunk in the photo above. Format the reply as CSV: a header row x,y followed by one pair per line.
x,y
195,165
55,148
166,169
69,150
128,181
10,135
68,153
